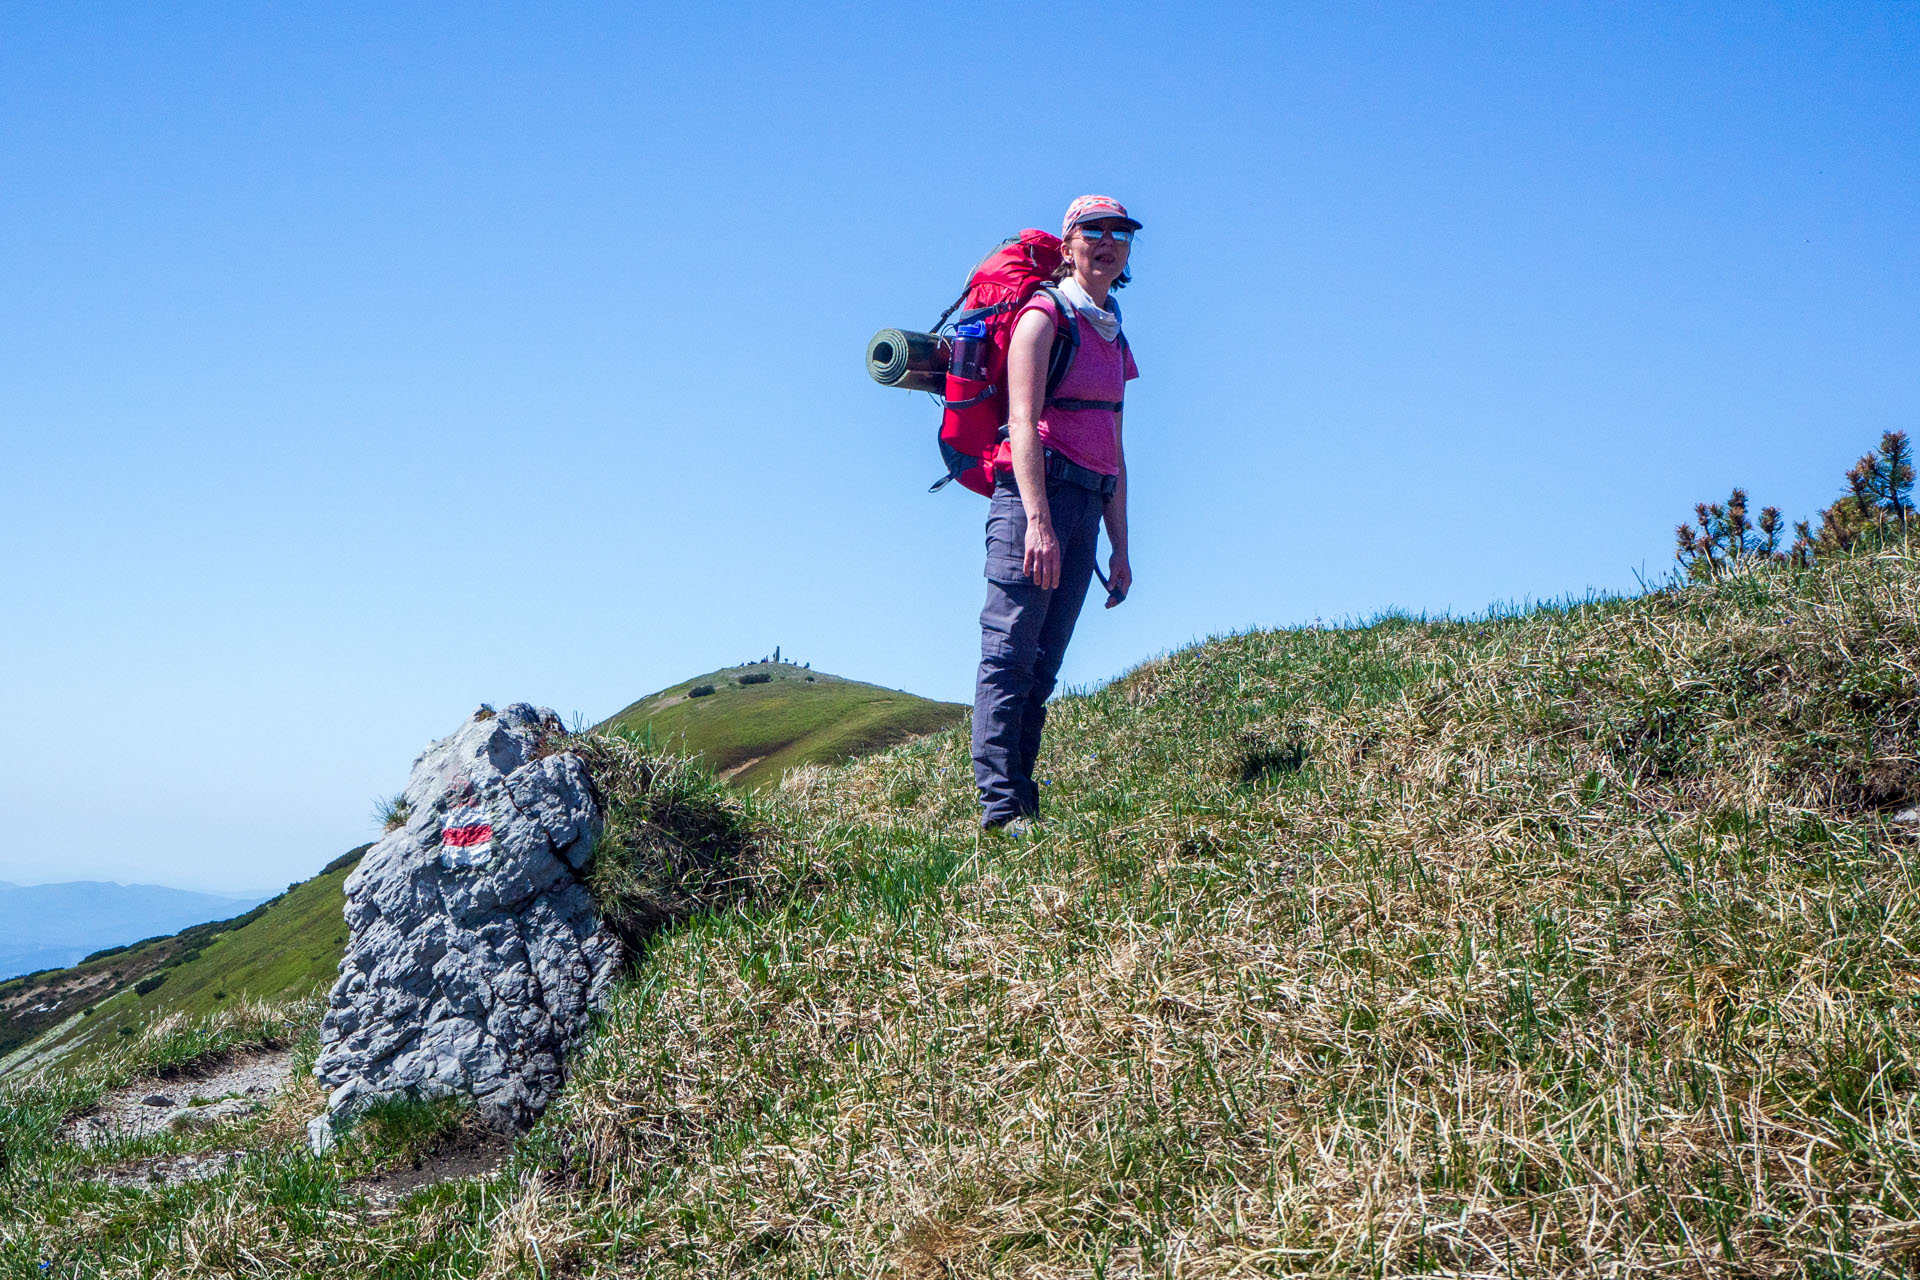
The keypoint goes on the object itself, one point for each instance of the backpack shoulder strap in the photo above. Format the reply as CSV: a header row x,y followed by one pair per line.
x,y
1066,344
1066,338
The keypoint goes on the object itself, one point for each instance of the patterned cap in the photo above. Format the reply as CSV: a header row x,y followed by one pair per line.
x,y
1087,208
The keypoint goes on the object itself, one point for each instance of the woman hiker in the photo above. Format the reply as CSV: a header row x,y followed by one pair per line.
x,y
1068,473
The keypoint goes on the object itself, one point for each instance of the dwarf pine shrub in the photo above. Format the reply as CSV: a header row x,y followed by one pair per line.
x,y
1874,510
1726,537
1877,504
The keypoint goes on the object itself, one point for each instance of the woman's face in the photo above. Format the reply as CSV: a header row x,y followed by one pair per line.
x,y
1096,258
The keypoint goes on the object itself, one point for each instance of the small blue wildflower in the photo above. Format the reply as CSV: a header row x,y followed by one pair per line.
x,y
1046,782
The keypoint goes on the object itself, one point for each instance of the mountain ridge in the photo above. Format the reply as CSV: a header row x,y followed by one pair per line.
x,y
70,918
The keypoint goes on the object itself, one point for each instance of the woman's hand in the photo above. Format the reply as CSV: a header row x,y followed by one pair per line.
x,y
1119,578
1042,559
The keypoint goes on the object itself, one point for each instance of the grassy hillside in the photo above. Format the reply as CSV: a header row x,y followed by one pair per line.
x,y
1578,942
34,1002
281,950
751,730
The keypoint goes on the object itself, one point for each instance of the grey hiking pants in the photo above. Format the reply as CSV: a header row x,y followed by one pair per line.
x,y
1023,637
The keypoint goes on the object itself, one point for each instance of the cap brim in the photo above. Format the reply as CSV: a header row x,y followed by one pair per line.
x,y
1096,217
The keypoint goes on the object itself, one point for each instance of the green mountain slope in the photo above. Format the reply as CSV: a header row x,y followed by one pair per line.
x,y
765,718
281,950
47,926
751,730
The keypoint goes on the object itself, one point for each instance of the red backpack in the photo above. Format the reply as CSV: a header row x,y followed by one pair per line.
x,y
973,428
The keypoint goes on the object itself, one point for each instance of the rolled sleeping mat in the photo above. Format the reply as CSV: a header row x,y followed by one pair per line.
x,y
908,360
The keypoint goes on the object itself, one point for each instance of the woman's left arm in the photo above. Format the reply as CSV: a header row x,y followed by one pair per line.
x,y
1119,568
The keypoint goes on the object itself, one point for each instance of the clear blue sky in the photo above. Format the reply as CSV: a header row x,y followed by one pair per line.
x,y
362,363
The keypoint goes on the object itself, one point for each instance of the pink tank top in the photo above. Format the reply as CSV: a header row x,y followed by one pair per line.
x,y
1101,371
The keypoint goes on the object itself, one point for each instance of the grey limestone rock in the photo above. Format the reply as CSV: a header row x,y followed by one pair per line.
x,y
476,955
211,1114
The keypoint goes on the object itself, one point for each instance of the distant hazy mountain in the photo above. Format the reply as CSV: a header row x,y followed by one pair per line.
x,y
43,926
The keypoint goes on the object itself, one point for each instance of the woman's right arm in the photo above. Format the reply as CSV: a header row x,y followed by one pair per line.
x,y
1027,353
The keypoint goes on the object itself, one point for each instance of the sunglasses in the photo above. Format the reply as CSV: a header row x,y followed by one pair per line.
x,y
1122,234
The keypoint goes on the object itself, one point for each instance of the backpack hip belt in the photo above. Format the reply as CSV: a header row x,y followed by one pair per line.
x,y
1060,468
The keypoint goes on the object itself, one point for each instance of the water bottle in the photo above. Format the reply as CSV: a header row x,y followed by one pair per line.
x,y
969,359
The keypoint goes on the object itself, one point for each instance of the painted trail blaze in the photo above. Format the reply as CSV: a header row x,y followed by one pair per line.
x,y
466,826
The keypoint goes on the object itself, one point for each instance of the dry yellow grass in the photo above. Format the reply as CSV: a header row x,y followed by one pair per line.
x,y
1572,943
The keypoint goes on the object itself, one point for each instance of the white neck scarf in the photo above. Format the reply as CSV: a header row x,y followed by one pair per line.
x,y
1105,322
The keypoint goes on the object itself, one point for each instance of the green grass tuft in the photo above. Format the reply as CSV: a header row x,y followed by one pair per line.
x,y
676,841
397,1131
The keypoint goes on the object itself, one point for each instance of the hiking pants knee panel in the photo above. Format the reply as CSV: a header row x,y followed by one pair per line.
x,y
1023,640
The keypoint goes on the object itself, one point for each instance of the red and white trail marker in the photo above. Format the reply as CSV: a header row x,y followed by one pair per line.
x,y
467,837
